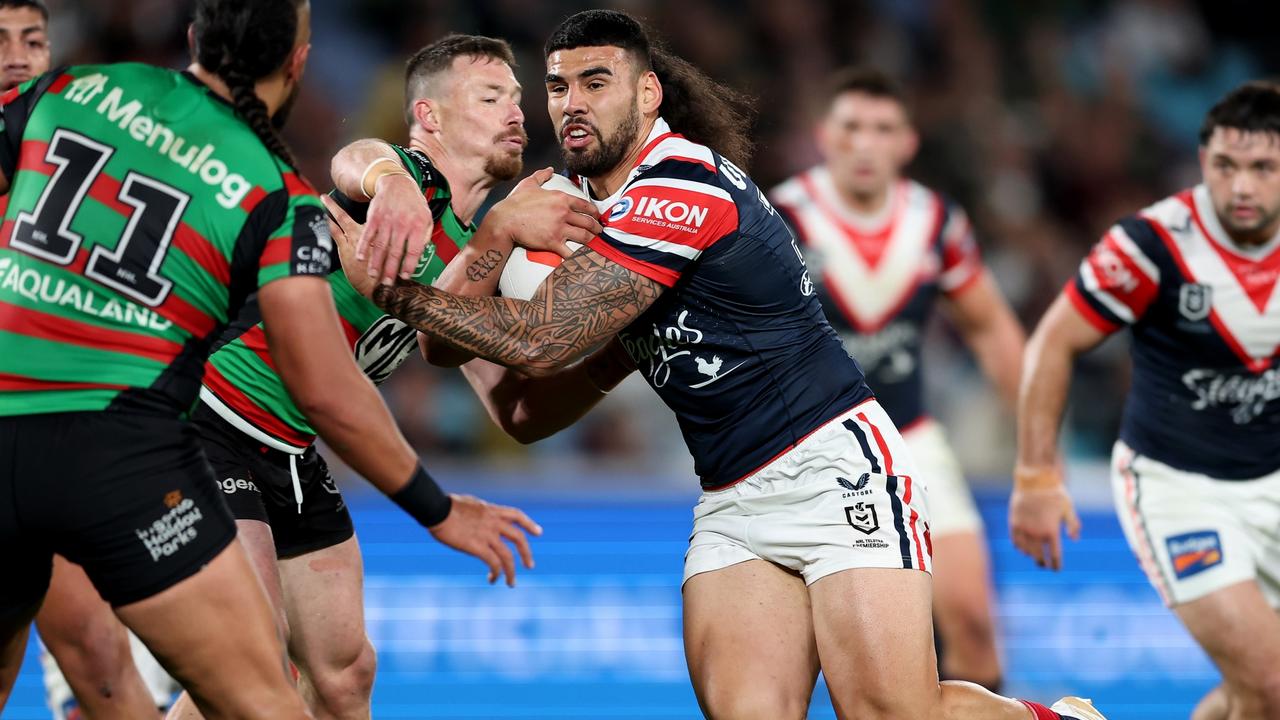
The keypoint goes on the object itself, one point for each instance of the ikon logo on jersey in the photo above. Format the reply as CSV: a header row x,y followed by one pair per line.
x,y
1194,552
673,211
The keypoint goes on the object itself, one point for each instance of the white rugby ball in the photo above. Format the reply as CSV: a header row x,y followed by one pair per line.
x,y
526,270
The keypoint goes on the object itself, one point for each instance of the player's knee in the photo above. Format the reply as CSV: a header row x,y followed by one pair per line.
x,y
347,681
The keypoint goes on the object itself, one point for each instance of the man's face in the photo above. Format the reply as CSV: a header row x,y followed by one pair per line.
x,y
593,99
24,46
481,116
1242,171
865,142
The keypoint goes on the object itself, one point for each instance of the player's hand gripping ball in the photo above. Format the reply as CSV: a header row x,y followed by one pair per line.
x,y
525,270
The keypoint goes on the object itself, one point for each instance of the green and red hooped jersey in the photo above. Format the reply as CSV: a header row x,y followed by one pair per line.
x,y
241,383
142,212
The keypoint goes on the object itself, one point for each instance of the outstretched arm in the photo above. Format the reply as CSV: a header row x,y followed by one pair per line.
x,y
1040,504
582,304
316,365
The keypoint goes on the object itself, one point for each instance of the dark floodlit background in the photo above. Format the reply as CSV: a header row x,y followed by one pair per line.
x,y
1047,120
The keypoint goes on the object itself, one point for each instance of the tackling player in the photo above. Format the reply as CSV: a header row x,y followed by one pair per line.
x,y
882,251
707,292
1196,469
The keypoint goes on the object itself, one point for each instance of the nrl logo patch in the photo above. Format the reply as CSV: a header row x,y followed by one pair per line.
x,y
862,517
1194,301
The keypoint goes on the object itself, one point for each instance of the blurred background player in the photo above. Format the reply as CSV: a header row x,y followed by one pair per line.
x,y
882,249
24,41
680,260
1196,470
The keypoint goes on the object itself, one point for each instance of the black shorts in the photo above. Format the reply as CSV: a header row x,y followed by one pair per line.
x,y
127,496
258,484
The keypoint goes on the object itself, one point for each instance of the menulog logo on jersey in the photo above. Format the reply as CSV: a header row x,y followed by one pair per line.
x,y
196,160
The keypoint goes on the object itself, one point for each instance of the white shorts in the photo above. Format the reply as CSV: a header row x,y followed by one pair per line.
x,y
1194,534
951,506
845,497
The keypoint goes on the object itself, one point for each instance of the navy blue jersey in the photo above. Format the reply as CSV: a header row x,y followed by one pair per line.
x,y
737,345
1206,329
879,277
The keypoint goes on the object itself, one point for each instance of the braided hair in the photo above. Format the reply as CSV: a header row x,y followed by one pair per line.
x,y
243,41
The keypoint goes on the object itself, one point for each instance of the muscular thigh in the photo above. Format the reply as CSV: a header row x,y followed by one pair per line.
x,y
875,640
324,598
1237,627
748,633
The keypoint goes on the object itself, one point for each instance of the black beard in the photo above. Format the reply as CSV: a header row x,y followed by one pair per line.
x,y
282,113
610,152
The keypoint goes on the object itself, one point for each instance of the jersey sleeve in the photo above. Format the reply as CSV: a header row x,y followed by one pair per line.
x,y
1117,281
298,242
961,259
15,110
664,220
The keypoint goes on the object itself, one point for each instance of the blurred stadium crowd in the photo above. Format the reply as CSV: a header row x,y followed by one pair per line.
x,y
1047,120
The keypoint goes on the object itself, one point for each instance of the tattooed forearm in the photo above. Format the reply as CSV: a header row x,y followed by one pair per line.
x,y
485,264
587,300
